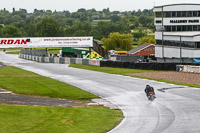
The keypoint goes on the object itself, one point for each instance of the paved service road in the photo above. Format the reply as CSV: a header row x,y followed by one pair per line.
x,y
176,109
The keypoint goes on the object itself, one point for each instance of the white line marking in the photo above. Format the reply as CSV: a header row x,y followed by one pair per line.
x,y
5,92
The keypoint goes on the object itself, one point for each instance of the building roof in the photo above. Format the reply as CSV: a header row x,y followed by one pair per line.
x,y
121,52
139,48
176,4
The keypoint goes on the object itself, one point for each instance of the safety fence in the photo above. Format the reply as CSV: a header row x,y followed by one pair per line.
x,y
143,65
188,68
62,60
182,67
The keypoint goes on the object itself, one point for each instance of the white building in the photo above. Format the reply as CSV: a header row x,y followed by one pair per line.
x,y
177,32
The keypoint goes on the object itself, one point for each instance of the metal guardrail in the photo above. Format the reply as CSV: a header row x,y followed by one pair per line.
x,y
41,52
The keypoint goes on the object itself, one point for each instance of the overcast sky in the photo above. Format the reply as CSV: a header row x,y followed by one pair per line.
x,y
73,5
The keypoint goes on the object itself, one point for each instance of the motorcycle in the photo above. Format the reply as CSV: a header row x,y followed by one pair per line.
x,y
151,97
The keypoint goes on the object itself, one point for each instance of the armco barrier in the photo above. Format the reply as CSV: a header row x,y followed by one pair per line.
x,y
56,60
190,68
67,60
85,61
94,62
37,58
78,60
61,60
51,59
46,59
72,60
29,57
64,60
42,59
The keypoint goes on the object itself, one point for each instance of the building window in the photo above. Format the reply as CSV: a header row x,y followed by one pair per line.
x,y
167,14
178,43
195,14
189,14
195,28
174,14
189,27
183,14
158,14
174,28
178,14
178,28
197,45
184,28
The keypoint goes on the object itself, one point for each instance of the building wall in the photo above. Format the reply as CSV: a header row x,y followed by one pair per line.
x,y
146,52
174,52
177,29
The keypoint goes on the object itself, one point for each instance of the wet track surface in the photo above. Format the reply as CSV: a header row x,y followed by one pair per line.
x,y
7,97
175,110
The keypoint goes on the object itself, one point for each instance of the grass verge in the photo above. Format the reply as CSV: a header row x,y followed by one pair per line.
x,y
13,53
28,83
121,71
124,71
33,119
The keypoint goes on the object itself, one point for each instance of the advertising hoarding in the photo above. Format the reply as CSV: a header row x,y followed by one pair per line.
x,y
46,42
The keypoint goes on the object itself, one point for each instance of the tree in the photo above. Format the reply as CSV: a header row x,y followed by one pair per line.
x,y
1,27
79,33
11,31
78,25
48,28
81,10
145,20
115,18
149,39
69,31
30,29
95,34
117,41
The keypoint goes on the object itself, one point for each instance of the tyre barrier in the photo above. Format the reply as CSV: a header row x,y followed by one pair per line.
x,y
61,60
144,65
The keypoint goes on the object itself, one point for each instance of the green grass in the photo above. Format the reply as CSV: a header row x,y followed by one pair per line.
x,y
171,82
54,51
121,71
33,119
124,71
12,52
27,83
10,49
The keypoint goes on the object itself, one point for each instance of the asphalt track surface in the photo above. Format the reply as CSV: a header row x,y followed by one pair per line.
x,y
175,110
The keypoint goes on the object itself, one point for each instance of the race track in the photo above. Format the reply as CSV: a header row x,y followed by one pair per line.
x,y
175,110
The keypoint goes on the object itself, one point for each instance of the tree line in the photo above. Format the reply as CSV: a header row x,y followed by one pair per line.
x,y
81,23
99,24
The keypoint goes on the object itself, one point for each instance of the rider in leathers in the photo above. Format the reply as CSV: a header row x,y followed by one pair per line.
x,y
149,89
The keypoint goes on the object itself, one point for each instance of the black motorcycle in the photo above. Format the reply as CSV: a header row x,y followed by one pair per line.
x,y
151,96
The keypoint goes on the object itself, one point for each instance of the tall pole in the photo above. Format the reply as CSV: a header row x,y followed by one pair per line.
x,y
162,37
180,49
90,52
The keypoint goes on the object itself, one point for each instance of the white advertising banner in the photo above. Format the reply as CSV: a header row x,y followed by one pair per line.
x,y
46,42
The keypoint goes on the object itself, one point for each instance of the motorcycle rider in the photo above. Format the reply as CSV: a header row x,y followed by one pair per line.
x,y
149,89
